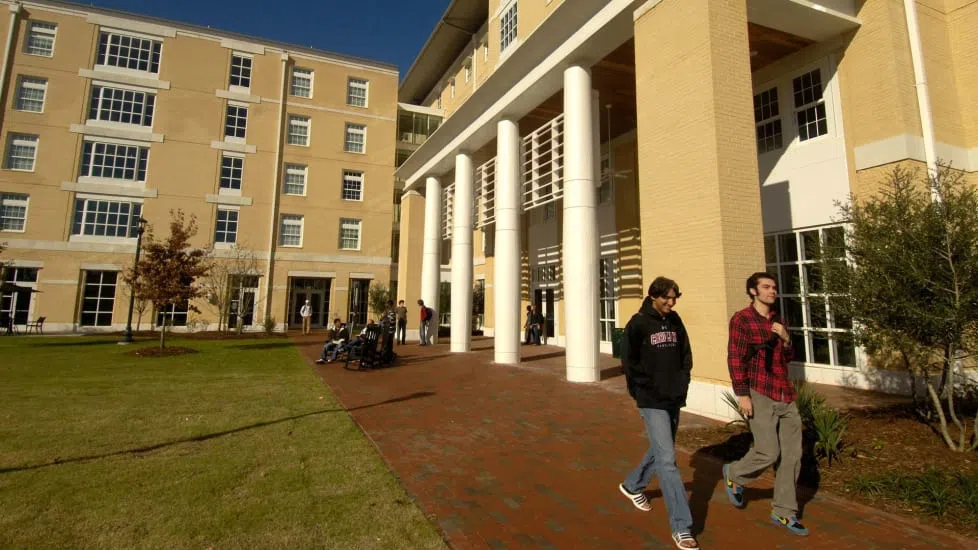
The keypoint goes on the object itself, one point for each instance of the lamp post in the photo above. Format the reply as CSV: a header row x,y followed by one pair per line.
x,y
127,336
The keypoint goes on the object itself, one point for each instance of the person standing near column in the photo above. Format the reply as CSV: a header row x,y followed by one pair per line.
x,y
306,313
657,359
401,334
758,352
425,327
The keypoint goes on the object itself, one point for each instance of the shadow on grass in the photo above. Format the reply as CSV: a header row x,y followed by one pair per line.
x,y
81,342
263,345
206,437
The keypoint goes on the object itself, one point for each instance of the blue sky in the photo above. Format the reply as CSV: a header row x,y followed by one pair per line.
x,y
385,30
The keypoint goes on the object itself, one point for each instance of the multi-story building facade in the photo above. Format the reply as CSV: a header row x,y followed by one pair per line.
x,y
284,154
590,146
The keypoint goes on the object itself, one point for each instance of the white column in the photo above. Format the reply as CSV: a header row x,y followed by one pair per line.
x,y
462,255
431,259
506,283
580,234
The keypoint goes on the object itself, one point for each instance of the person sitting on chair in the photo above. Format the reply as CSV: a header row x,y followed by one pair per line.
x,y
354,343
334,341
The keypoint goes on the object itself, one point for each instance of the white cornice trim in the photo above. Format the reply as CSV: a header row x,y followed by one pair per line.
x,y
230,200
909,147
26,263
110,189
120,133
241,46
360,275
236,96
130,25
100,267
233,147
133,80
344,112
335,258
313,274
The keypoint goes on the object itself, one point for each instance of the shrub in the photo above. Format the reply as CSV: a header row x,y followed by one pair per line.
x,y
809,401
830,427
934,492
731,400
269,325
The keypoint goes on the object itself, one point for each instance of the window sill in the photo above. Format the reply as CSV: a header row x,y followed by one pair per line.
x,y
224,246
229,192
301,195
238,95
352,200
31,171
118,131
230,200
40,54
290,246
104,187
28,111
364,107
101,240
355,152
234,146
13,230
125,76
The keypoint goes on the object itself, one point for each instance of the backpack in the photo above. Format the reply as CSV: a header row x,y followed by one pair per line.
x,y
428,313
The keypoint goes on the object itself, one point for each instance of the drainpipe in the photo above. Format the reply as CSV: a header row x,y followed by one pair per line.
x,y
923,95
276,181
8,53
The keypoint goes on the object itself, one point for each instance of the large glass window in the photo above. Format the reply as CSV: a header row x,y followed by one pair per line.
x,y
359,291
240,71
819,335
809,105
30,94
226,227
232,167
120,105
608,296
236,121
13,211
114,161
21,152
129,52
175,315
507,27
767,120
17,302
40,38
106,218
98,298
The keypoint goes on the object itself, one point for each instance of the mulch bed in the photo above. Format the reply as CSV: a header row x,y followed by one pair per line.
x,y
168,351
878,442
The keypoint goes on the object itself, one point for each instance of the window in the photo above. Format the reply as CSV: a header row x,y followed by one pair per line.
x,y
818,334
295,179
114,161
244,289
232,168
21,151
226,228
349,234
451,84
290,230
299,130
129,52
489,240
356,138
485,51
356,92
18,301
174,315
236,121
549,211
767,119
301,82
240,71
30,94
13,211
507,27
40,38
359,300
352,185
98,298
809,105
120,105
106,218
468,72
608,296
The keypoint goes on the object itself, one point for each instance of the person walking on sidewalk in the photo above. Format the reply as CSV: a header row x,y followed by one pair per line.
x,y
306,313
401,333
657,359
758,352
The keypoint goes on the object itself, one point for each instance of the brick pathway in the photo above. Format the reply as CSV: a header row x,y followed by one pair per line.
x,y
516,457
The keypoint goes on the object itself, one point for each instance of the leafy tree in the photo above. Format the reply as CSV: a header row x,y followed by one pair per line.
x,y
222,284
140,303
910,284
169,270
378,296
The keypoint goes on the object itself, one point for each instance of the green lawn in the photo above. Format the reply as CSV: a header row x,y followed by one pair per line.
x,y
237,446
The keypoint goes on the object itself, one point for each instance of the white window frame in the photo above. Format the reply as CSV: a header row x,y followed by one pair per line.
x,y
607,296
250,68
227,210
299,170
354,128
468,72
227,113
104,105
293,220
292,85
353,176
768,102
350,222
21,140
816,104
296,122
451,86
41,28
89,159
508,35
354,83
14,200
26,82
153,41
100,299
81,236
485,50
230,189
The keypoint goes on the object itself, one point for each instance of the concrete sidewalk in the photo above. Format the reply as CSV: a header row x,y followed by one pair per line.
x,y
516,457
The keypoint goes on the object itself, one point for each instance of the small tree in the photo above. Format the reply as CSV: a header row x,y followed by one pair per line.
x,y
911,283
379,295
169,270
3,266
139,304
222,284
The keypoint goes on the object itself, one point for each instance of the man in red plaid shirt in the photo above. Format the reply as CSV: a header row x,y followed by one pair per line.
x,y
757,355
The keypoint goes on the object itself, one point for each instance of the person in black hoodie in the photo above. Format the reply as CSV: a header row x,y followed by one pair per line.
x,y
657,360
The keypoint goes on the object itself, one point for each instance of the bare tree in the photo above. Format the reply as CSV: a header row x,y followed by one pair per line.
x,y
222,285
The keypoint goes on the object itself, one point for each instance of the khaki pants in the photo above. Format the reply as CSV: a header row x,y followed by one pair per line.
x,y
305,324
776,427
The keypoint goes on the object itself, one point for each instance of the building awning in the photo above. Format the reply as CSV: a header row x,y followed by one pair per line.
x,y
452,33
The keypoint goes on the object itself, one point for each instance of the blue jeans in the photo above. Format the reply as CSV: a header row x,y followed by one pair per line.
x,y
661,459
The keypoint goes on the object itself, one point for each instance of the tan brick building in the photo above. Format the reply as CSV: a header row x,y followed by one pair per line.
x,y
588,147
281,151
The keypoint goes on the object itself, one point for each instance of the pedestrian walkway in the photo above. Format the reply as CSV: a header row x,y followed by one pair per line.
x,y
516,457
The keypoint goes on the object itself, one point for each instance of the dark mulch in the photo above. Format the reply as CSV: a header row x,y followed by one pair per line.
x,y
202,335
878,443
168,351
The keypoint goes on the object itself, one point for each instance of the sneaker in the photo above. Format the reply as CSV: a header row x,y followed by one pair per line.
x,y
319,361
638,499
790,523
736,494
685,541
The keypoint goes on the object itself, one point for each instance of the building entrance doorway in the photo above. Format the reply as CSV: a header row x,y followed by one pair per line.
x,y
317,292
543,298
